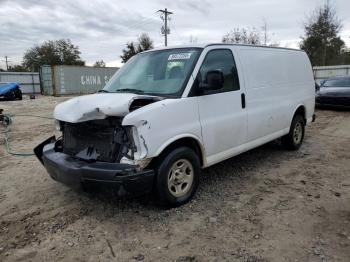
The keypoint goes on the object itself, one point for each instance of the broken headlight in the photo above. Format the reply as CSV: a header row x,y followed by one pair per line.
x,y
58,125
126,140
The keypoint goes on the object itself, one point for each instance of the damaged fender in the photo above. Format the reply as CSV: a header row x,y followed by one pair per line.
x,y
157,125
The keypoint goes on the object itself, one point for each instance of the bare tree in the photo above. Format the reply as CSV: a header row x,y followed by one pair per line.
x,y
242,36
100,63
193,39
264,29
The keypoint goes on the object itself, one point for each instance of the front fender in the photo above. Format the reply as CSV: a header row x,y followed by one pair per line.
x,y
161,123
178,137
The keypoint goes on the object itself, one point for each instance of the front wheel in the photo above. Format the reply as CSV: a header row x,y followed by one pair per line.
x,y
10,96
295,137
178,176
19,94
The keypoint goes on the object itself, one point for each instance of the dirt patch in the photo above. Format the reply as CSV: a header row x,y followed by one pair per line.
x,y
265,205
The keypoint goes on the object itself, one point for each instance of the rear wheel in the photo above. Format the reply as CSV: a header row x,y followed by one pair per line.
x,y
295,137
177,176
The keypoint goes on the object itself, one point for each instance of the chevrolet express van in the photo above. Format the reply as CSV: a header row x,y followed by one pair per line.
x,y
170,112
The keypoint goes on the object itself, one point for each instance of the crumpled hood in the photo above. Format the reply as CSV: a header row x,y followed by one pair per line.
x,y
95,106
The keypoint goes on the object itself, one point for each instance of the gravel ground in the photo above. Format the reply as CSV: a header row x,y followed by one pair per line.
x,y
265,205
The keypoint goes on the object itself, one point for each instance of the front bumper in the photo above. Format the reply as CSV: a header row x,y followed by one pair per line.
x,y
334,101
125,178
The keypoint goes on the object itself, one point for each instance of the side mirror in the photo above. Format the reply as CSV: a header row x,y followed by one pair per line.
x,y
317,87
214,80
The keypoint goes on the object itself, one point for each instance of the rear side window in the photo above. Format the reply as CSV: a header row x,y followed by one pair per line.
x,y
221,59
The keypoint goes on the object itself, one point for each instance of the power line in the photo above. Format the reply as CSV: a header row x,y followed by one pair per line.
x,y
165,29
144,21
171,22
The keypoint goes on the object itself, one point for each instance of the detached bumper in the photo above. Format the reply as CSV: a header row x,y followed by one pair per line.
x,y
125,178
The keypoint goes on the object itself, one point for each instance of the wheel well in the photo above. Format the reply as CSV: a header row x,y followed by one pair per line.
x,y
301,111
187,142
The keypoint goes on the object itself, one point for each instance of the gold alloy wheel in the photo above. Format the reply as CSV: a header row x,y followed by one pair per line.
x,y
180,177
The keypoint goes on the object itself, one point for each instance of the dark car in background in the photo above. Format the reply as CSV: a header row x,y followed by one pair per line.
x,y
10,91
334,92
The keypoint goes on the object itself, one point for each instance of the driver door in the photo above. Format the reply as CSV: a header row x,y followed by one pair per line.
x,y
222,112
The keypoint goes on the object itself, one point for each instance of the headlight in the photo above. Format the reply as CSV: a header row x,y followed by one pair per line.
x,y
57,125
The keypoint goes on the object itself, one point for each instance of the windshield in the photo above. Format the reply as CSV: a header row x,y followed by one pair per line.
x,y
343,82
163,72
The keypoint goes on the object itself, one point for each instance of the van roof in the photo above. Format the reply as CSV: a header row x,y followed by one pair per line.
x,y
221,44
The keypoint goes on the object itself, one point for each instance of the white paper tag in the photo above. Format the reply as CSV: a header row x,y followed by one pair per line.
x,y
179,56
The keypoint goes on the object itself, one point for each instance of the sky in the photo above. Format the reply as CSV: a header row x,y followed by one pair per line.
x,y
102,28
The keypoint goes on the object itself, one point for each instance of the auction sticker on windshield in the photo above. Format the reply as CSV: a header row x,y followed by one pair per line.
x,y
179,56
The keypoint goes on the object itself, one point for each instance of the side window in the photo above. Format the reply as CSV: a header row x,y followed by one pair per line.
x,y
221,59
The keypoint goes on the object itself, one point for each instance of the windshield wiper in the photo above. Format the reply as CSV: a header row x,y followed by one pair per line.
x,y
102,91
131,90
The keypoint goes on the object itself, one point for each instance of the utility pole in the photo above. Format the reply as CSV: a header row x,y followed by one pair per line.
x,y
264,28
165,29
7,64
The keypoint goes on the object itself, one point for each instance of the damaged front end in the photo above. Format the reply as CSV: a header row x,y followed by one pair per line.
x,y
98,140
99,150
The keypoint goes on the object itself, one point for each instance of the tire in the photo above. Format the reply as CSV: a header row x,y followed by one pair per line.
x,y
295,137
19,94
177,177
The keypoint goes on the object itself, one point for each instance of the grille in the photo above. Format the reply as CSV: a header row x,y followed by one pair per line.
x,y
91,140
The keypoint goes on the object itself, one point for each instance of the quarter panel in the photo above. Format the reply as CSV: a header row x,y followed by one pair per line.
x,y
277,81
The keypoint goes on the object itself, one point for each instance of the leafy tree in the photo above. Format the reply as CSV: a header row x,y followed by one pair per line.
x,y
345,57
242,36
18,68
129,52
321,41
59,52
100,63
144,42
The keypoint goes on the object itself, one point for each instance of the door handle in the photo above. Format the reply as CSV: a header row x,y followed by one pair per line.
x,y
243,100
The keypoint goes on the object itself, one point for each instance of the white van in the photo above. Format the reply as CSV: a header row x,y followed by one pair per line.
x,y
168,113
